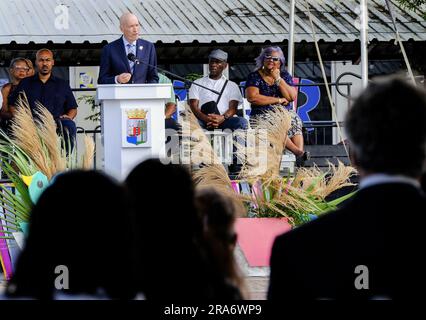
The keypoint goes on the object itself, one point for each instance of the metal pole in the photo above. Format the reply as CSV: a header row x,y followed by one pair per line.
x,y
290,55
404,54
364,42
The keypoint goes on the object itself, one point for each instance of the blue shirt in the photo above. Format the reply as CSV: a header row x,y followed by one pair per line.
x,y
55,95
382,178
256,80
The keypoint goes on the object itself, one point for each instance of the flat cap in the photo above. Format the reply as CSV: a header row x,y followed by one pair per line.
x,y
219,55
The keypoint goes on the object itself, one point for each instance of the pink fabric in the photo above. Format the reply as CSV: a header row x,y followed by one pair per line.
x,y
256,237
5,257
235,186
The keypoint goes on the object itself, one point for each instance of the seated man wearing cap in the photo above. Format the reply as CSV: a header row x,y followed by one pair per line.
x,y
217,111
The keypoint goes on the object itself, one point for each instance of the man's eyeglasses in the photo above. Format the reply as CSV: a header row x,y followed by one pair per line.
x,y
272,58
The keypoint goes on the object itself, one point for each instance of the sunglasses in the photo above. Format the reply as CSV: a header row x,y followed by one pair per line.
x,y
272,58
21,68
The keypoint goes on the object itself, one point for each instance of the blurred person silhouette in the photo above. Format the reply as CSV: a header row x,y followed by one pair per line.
x,y
172,263
371,247
90,235
218,213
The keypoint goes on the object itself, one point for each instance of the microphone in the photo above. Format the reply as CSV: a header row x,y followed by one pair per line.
x,y
131,56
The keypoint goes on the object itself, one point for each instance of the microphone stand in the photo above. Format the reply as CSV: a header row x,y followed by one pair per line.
x,y
133,71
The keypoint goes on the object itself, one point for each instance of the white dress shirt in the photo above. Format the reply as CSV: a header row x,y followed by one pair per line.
x,y
231,92
382,178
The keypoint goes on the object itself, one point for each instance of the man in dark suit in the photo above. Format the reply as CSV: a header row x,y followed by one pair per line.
x,y
372,247
117,68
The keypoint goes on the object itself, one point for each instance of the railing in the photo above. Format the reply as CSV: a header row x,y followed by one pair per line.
x,y
319,132
93,132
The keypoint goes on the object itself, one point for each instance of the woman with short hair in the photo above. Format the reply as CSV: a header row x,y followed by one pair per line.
x,y
269,86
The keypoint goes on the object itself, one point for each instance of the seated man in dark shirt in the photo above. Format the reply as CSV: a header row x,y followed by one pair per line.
x,y
53,93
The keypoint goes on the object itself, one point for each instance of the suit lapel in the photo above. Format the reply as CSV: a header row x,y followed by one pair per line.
x,y
139,49
139,54
122,53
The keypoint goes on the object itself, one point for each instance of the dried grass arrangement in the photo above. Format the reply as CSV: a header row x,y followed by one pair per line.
x,y
263,146
259,186
300,198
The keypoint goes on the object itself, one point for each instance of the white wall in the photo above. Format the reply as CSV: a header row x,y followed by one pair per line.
x,y
341,103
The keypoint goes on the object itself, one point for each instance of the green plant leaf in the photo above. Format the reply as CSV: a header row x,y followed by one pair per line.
x,y
5,231
12,202
20,186
338,201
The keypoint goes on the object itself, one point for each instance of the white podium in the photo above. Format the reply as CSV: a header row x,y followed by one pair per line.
x,y
132,122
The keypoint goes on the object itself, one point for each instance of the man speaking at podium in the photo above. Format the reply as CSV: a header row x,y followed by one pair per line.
x,y
115,64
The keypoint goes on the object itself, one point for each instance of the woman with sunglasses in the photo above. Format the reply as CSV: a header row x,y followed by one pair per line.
x,y
19,69
270,85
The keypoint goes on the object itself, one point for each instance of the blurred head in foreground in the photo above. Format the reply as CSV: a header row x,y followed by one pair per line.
x,y
79,223
386,127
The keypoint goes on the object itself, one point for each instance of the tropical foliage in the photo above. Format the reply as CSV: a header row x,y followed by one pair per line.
x,y
95,108
300,198
414,5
